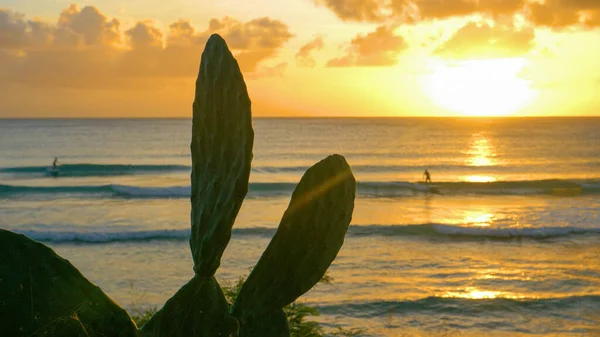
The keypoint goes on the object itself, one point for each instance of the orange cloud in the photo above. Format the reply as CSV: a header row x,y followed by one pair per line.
x,y
182,34
84,48
89,24
17,33
262,33
144,35
304,56
546,13
356,10
441,9
378,11
564,13
481,40
501,7
277,70
378,48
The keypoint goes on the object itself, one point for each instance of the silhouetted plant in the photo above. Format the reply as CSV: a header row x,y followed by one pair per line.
x,y
307,240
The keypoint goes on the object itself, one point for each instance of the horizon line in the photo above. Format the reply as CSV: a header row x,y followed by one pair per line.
x,y
294,117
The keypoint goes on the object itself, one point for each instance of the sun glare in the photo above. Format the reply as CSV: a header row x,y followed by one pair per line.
x,y
478,294
481,153
479,87
479,218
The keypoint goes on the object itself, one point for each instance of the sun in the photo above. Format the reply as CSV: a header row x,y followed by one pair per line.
x,y
479,87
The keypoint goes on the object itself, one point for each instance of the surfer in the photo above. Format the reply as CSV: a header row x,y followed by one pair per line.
x,y
427,176
54,163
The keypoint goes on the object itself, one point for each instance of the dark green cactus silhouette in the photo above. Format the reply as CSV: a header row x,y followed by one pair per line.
x,y
42,294
308,239
309,236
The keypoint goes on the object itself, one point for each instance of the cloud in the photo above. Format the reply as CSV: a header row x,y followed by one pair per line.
x,y
546,13
304,56
79,50
85,48
380,11
355,10
564,13
501,7
252,42
144,35
481,40
441,9
182,34
90,24
277,70
262,33
12,30
17,33
378,48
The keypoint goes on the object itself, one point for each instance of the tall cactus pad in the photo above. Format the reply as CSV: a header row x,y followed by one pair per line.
x,y
308,239
222,139
42,294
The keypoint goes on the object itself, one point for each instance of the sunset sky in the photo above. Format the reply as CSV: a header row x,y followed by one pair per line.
x,y
139,58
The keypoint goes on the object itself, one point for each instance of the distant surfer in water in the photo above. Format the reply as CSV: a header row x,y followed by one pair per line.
x,y
427,176
54,163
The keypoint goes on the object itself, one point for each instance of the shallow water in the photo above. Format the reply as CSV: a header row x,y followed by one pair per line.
x,y
507,243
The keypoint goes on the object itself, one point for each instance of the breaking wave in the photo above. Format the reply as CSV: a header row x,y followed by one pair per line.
x,y
107,170
92,170
463,306
418,230
364,189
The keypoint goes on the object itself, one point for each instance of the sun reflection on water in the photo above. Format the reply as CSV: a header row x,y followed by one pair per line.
x,y
479,179
479,294
479,218
481,151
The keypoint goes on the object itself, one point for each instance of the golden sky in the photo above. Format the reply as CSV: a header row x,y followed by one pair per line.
x,y
139,58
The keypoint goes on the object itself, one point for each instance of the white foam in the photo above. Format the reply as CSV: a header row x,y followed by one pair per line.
x,y
171,191
591,186
104,237
512,231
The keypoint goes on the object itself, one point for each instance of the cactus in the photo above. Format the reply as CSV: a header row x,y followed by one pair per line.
x,y
199,308
222,139
42,294
307,240
309,236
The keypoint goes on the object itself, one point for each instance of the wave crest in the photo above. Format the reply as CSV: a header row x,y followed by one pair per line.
x,y
418,230
363,189
461,306
93,170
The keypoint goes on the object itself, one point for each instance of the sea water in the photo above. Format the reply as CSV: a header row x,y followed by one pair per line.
x,y
507,243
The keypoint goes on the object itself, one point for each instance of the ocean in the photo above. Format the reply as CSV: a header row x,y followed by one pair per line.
x,y
506,244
